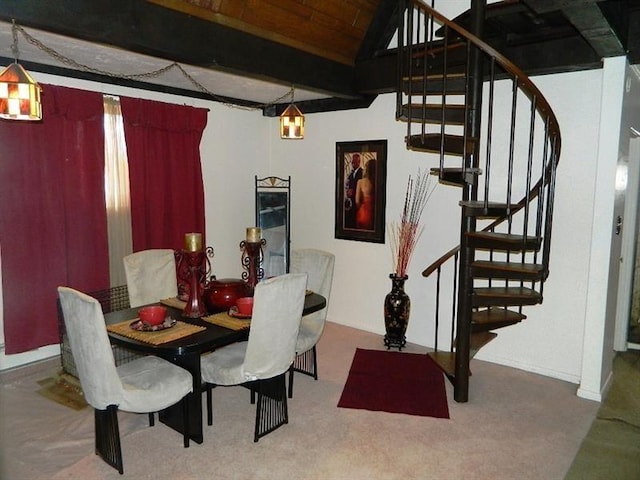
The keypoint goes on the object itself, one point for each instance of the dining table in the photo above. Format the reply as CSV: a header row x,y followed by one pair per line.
x,y
183,344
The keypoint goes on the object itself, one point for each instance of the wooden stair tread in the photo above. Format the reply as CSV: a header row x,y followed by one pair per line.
x,y
480,209
430,142
479,340
456,176
447,360
492,318
455,84
436,170
437,77
504,296
503,241
432,113
493,269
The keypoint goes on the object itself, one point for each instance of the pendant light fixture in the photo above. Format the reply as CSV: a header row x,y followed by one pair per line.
x,y
19,92
292,122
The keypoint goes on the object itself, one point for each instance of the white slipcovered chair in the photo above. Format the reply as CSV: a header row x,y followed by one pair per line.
x,y
262,362
318,265
151,276
145,385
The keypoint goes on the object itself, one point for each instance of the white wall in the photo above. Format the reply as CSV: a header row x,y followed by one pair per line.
x,y
238,145
550,341
600,321
362,269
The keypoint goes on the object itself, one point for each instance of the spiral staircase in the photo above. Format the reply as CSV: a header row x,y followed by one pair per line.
x,y
453,93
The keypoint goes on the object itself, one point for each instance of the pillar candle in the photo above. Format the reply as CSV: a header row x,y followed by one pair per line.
x,y
193,242
253,234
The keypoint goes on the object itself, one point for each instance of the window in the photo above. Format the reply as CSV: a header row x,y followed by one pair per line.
x,y
116,190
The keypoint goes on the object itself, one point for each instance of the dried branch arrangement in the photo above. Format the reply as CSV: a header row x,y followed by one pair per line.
x,y
405,234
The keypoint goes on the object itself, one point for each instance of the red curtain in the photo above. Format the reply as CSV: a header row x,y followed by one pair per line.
x,y
52,213
167,193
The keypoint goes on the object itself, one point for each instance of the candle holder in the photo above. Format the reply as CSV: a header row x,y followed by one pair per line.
x,y
192,269
252,262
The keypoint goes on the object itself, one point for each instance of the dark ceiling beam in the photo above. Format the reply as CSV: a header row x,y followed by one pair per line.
x,y
381,30
543,6
624,18
108,80
554,55
145,28
378,75
322,105
595,28
588,19
633,45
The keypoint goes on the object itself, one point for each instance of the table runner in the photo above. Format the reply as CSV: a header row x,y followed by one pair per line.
x,y
174,302
225,320
158,337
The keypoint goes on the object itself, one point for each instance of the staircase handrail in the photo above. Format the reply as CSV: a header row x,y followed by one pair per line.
x,y
526,86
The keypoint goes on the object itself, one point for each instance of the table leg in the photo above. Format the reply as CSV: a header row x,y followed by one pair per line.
x,y
172,416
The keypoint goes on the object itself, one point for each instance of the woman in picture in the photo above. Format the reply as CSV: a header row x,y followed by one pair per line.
x,y
365,197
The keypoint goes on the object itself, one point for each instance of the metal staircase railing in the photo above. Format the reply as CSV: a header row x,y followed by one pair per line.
x,y
506,167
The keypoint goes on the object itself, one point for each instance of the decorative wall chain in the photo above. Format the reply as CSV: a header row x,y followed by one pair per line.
x,y
136,76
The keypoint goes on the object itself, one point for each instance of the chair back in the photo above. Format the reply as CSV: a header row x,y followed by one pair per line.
x,y
92,354
151,276
318,265
277,310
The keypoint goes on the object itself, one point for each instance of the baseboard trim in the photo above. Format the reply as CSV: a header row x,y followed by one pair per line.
x,y
597,396
527,367
17,360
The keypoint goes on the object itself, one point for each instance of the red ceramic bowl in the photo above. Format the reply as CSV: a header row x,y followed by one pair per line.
x,y
153,315
245,305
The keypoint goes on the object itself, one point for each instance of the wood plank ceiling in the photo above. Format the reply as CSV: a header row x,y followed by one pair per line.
x,y
331,29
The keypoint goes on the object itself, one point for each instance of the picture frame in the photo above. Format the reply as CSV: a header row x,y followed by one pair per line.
x,y
360,209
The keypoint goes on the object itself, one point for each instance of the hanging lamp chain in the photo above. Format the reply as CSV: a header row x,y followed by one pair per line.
x,y
14,45
135,76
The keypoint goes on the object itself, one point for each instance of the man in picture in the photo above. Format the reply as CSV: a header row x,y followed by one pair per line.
x,y
350,193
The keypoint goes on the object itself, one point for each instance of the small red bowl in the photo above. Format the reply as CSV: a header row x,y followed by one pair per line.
x,y
153,315
245,305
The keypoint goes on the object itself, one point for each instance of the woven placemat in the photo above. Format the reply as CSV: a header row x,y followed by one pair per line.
x,y
174,302
158,337
225,320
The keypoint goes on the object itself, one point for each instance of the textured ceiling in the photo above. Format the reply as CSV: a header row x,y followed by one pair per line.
x,y
119,62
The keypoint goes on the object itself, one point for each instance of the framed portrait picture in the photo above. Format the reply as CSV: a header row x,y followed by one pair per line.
x,y
361,177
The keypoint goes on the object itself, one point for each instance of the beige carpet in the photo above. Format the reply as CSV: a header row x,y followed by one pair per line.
x,y
517,425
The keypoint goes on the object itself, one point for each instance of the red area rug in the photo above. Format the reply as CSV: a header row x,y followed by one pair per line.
x,y
395,382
